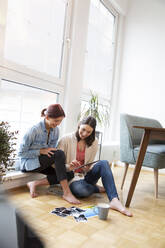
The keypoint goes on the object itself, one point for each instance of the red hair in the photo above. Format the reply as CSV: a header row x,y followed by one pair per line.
x,y
53,111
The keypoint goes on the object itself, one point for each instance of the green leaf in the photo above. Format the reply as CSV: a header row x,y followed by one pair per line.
x,y
100,112
7,145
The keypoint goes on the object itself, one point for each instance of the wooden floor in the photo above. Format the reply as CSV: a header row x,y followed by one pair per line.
x,y
145,229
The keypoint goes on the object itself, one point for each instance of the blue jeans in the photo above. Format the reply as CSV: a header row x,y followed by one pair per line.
x,y
87,186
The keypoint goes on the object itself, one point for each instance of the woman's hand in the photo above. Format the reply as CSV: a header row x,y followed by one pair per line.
x,y
73,165
48,151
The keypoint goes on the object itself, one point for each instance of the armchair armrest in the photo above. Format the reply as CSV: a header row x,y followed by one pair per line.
x,y
155,133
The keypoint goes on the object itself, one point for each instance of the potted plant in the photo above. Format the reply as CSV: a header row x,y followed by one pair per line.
x,y
7,148
99,111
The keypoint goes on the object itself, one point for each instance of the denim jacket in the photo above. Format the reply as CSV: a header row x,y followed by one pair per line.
x,y
35,139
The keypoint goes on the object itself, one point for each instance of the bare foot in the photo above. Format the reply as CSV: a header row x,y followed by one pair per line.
x,y
101,188
116,205
32,188
70,198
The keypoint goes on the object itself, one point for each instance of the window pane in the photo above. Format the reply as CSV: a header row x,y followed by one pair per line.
x,y
34,34
99,55
21,105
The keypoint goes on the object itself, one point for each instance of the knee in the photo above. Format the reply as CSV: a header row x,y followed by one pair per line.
x,y
80,191
104,165
82,194
86,192
59,154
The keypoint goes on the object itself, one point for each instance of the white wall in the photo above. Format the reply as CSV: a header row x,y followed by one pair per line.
x,y
120,5
142,79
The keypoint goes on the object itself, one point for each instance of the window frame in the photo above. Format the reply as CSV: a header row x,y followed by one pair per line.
x,y
86,92
9,65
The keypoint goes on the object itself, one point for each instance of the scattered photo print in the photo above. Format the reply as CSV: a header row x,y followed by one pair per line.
x,y
90,211
59,213
67,211
60,209
63,212
80,218
76,211
80,215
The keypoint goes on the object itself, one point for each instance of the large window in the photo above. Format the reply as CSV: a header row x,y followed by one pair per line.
x,y
34,36
99,58
21,105
100,48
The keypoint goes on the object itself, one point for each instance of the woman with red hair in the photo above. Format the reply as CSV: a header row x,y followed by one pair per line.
x,y
38,153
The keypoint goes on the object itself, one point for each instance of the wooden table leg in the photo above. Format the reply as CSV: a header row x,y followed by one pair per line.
x,y
139,162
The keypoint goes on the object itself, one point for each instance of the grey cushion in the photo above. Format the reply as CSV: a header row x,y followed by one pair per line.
x,y
156,149
154,157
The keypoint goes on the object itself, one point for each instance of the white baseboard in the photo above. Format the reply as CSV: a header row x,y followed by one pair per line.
x,y
119,163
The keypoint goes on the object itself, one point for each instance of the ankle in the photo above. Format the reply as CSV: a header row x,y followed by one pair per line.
x,y
115,199
67,192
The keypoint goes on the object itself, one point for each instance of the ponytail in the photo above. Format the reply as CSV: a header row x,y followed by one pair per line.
x,y
43,112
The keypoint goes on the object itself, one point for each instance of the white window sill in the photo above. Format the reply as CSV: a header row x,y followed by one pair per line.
x,y
15,179
15,174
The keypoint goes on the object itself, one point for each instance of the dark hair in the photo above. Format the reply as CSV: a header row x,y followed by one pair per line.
x,y
91,121
53,111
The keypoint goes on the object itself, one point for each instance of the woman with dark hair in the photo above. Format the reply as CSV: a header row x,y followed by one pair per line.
x,y
38,153
81,148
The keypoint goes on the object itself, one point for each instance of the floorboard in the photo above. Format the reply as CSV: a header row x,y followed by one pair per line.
x,y
145,229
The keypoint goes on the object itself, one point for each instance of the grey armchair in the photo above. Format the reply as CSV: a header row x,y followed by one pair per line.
x,y
130,139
